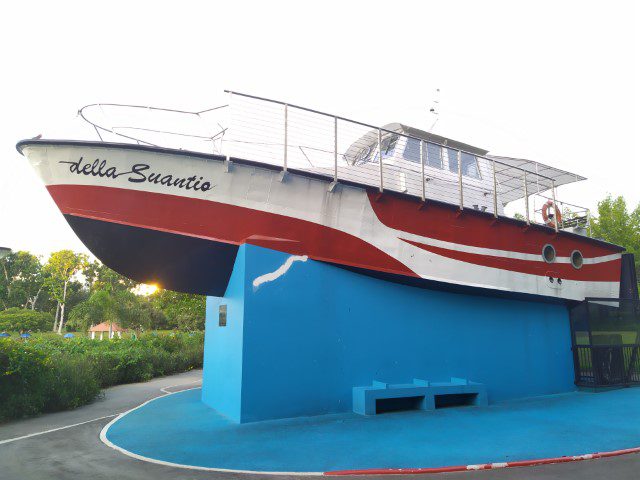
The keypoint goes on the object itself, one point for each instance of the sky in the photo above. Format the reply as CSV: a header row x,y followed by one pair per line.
x,y
553,81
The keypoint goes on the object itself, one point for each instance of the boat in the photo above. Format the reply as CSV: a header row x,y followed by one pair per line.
x,y
393,202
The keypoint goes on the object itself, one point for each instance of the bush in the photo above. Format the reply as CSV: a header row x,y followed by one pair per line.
x,y
49,373
23,382
19,320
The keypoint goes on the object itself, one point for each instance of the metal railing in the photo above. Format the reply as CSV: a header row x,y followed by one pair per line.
x,y
295,137
606,365
349,150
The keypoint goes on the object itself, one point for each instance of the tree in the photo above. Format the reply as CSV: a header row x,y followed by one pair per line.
x,y
617,225
122,307
21,280
99,307
100,277
183,310
61,267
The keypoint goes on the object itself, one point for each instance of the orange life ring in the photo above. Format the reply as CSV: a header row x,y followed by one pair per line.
x,y
556,216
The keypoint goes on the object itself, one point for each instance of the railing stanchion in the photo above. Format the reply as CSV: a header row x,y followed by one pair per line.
x,y
460,179
555,206
286,133
526,198
380,159
223,148
495,191
335,149
424,188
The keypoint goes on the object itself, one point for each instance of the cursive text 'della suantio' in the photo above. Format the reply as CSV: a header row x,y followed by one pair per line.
x,y
139,173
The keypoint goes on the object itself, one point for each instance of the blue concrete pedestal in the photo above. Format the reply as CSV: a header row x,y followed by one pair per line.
x,y
294,337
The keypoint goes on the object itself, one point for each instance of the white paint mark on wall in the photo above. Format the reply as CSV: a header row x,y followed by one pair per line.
x,y
284,268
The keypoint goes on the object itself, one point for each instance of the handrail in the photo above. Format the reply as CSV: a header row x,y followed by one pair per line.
x,y
98,128
381,129
398,176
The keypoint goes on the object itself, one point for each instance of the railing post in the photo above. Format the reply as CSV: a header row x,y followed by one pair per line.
x,y
555,206
526,198
380,159
424,188
227,150
460,179
335,149
495,191
286,133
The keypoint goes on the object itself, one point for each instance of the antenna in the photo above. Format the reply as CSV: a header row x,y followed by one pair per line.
x,y
435,109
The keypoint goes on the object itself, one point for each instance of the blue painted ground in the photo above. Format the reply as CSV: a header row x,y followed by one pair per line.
x,y
181,429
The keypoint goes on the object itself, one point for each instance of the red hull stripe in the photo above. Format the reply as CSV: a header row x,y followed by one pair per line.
x,y
478,230
222,222
483,466
600,272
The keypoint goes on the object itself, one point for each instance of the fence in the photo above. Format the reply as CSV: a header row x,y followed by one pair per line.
x,y
606,342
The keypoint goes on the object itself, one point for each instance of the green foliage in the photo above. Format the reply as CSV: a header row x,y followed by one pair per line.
x,y
122,307
49,373
101,277
23,382
21,320
184,311
616,224
21,280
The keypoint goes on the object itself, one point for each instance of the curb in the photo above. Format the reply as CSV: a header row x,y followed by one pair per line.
x,y
483,466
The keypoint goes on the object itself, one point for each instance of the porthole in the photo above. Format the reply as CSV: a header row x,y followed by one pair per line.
x,y
549,253
576,259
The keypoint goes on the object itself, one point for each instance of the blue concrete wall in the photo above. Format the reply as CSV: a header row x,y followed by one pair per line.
x,y
299,344
222,376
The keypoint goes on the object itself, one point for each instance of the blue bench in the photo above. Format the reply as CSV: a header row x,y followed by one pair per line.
x,y
422,394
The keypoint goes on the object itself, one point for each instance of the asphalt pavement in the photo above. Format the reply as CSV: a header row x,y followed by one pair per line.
x,y
66,446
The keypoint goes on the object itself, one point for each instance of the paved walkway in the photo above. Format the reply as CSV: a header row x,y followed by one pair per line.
x,y
181,429
77,453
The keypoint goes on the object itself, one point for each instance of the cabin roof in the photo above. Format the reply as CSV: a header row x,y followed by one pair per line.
x,y
432,137
509,175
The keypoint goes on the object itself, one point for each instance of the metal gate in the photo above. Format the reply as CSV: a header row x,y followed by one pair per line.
x,y
605,336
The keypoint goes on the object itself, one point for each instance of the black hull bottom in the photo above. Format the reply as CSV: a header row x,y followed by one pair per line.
x,y
175,262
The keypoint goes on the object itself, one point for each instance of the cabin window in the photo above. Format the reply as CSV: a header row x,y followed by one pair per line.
x,y
365,154
387,147
434,155
431,153
412,150
469,165
452,156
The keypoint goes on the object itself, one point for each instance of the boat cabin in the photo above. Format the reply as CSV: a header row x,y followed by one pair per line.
x,y
408,152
